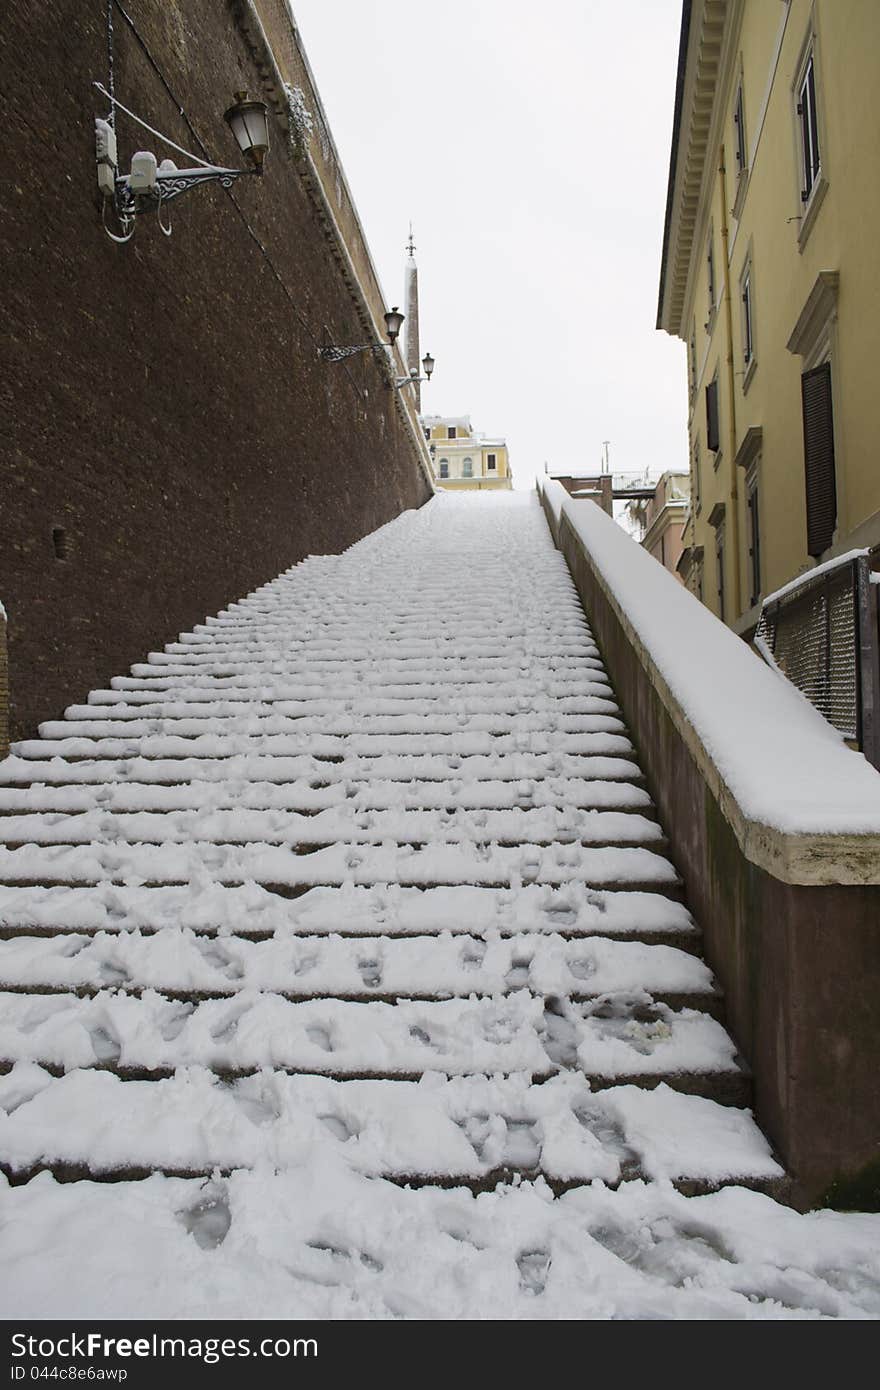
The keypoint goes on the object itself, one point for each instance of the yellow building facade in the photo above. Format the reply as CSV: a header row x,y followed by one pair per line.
x,y
461,459
771,276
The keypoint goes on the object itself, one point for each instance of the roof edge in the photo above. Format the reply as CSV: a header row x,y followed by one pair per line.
x,y
673,154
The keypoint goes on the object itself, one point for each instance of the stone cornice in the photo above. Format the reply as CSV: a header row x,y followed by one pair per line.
x,y
821,306
699,66
750,447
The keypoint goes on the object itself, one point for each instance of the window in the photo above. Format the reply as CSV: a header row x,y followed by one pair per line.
x,y
427,434
467,468
739,132
451,431
748,331
754,515
713,434
819,467
710,269
808,125
444,468
692,353
490,461
719,570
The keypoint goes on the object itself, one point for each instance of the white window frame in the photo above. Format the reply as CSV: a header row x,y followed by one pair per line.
x,y
697,485
810,195
740,146
747,322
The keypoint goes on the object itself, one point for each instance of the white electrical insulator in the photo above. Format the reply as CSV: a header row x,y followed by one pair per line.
x,y
105,154
142,178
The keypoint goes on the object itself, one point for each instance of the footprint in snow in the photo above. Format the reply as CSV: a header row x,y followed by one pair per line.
x,y
340,1128
208,1221
533,1266
320,1036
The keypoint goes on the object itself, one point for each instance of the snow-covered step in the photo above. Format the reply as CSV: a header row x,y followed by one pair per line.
x,y
366,711
338,725
463,743
615,1038
178,960
356,864
402,664
302,797
572,911
394,670
433,647
254,767
421,637
467,684
543,826
464,1127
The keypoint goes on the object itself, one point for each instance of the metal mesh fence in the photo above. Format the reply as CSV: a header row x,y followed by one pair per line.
x,y
813,635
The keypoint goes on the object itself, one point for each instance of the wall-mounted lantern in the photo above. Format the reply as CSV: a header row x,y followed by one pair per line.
x,y
393,324
413,378
151,184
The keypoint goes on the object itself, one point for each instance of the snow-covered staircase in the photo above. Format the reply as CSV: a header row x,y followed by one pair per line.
x,y
366,864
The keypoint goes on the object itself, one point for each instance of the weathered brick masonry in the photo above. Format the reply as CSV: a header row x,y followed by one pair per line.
x,y
170,438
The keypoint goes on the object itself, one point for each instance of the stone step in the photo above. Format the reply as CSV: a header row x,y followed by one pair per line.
x,y
177,961
542,826
592,699
571,912
255,767
280,869
465,685
302,797
456,1131
619,1037
463,744
341,724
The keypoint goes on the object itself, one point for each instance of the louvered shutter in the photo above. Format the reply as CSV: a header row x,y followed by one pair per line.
x,y
713,441
819,458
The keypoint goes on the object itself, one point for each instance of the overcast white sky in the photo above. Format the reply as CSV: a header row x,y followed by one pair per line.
x,y
529,145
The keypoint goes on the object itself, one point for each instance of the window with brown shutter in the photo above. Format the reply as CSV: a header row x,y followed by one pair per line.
x,y
819,472
713,440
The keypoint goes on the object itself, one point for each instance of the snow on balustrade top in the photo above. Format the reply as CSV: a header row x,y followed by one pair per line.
x,y
802,580
787,768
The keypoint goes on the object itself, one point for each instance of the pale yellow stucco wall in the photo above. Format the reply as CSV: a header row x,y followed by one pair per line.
x,y
765,43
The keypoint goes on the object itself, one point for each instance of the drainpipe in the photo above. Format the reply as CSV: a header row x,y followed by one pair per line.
x,y
731,441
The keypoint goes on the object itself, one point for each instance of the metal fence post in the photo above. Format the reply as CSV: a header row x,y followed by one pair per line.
x,y
869,662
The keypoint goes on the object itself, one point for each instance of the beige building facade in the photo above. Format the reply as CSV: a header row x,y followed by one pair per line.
x,y
664,518
771,276
463,460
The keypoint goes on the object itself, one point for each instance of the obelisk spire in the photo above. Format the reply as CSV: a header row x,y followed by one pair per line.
x,y
411,309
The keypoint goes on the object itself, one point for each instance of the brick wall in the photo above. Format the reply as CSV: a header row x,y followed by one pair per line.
x,y
170,438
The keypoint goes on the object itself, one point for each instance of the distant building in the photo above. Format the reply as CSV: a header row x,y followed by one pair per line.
x,y
463,460
664,518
